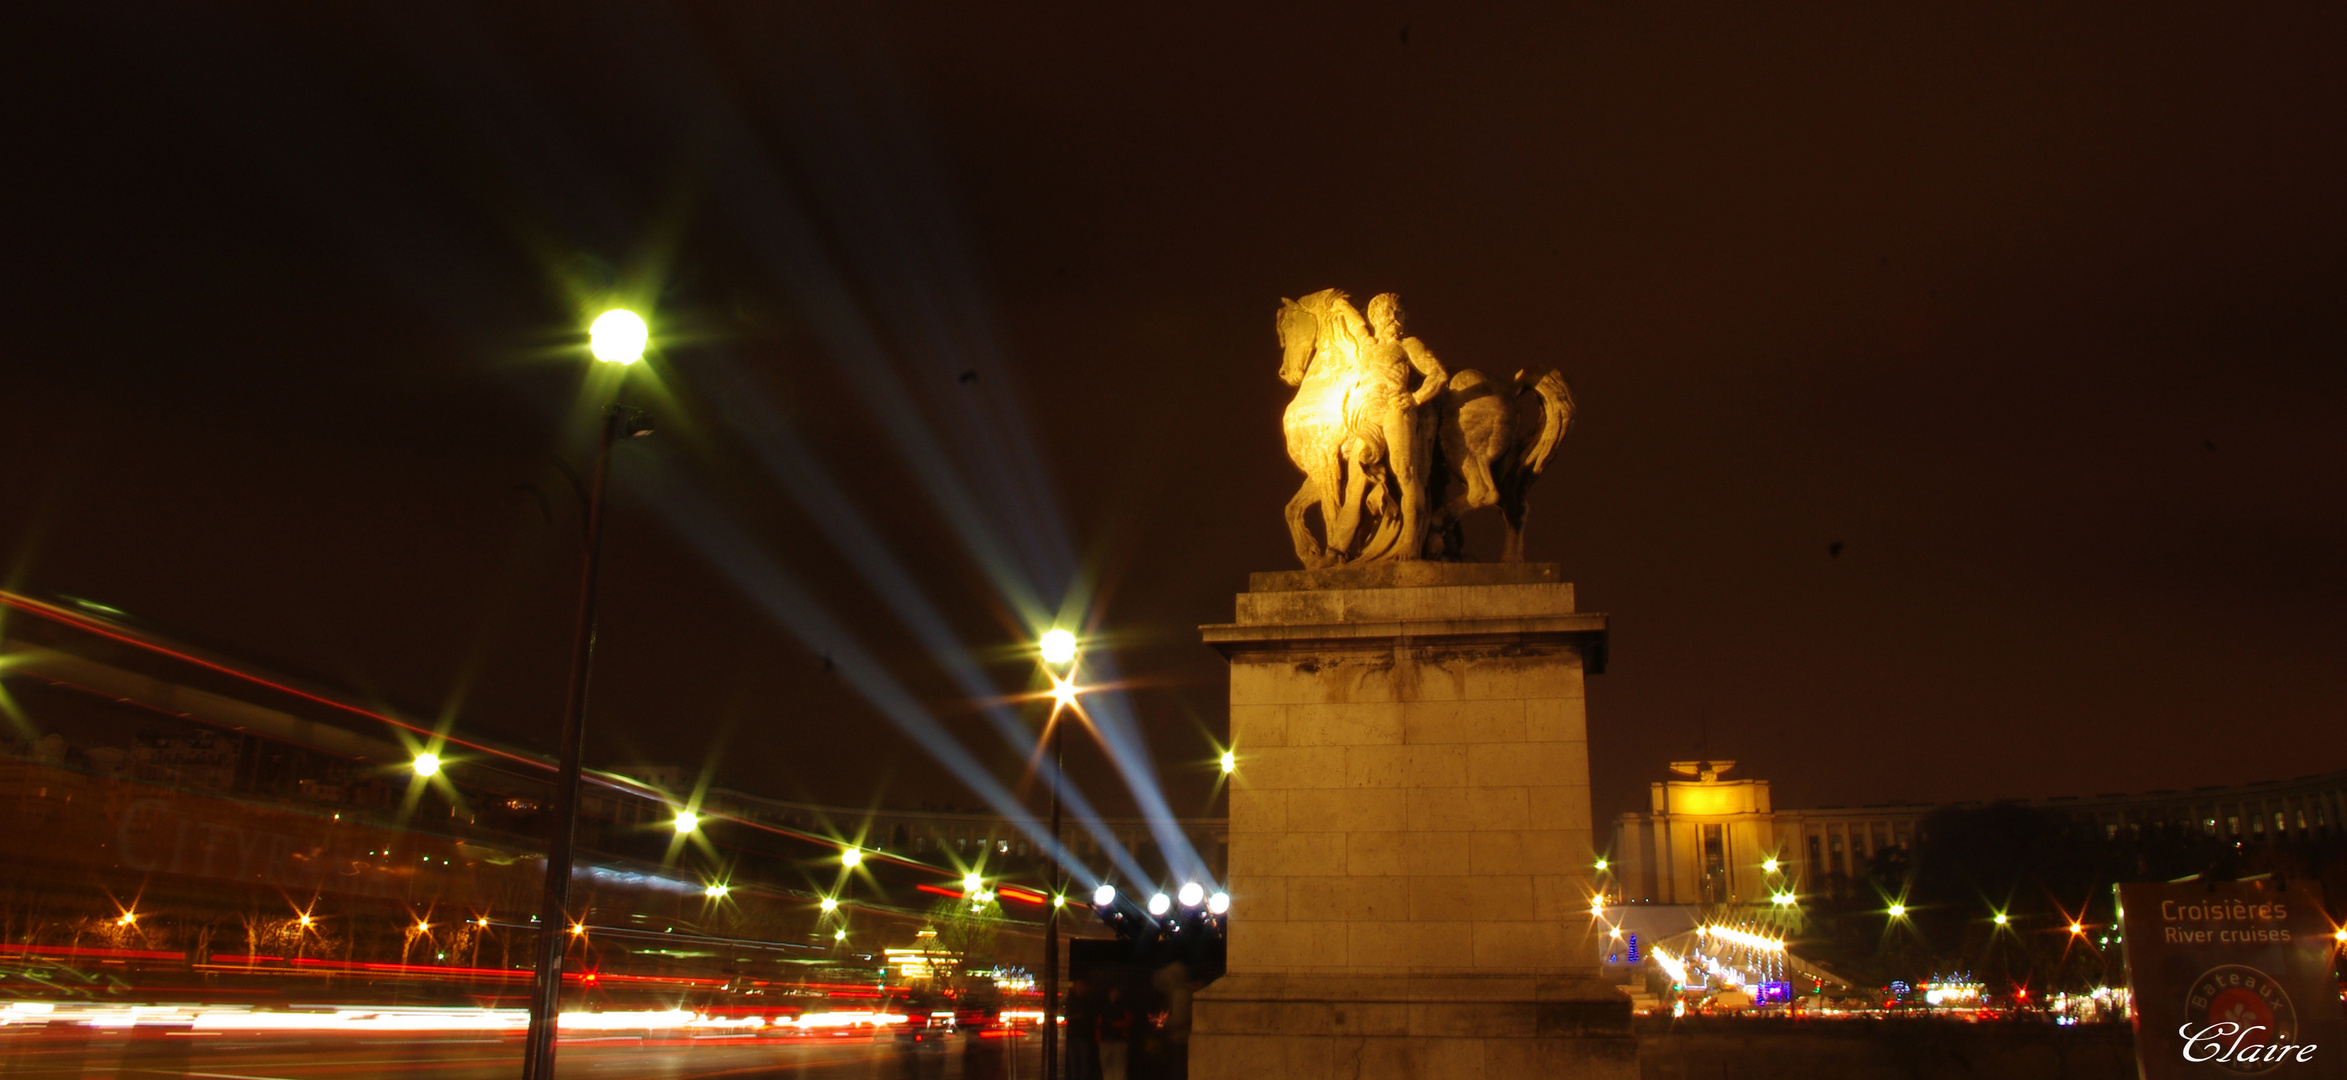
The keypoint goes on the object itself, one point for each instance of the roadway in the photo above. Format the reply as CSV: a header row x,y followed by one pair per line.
x,y
78,1052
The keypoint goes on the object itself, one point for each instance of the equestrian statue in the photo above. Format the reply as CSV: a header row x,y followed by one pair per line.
x,y
1393,468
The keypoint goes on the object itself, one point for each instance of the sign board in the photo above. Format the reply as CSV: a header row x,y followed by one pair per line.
x,y
2233,980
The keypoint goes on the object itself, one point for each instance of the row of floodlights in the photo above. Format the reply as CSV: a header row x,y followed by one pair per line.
x,y
1191,894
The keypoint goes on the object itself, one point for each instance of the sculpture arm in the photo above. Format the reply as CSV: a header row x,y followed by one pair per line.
x,y
1424,360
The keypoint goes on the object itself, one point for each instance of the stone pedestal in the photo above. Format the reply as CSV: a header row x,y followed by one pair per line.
x,y
1410,857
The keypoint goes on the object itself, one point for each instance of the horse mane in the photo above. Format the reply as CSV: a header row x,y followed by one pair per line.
x,y
1330,307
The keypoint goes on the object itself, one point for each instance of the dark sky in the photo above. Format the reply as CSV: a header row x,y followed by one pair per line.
x,y
964,309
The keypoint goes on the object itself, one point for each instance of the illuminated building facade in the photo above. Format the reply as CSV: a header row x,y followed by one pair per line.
x,y
1711,840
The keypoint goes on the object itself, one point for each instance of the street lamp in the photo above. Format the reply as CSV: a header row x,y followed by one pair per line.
x,y
1058,646
427,764
851,858
687,821
617,337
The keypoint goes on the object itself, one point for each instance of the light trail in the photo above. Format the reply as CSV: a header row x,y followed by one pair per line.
x,y
606,780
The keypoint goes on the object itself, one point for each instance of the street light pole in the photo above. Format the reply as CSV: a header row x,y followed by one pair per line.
x,y
1058,647
1059,888
623,346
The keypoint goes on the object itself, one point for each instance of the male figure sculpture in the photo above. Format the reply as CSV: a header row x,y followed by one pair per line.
x,y
1402,416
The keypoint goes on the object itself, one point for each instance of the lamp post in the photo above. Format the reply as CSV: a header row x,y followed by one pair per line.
x,y
618,337
1058,647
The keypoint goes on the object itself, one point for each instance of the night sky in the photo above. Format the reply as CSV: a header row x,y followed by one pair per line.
x,y
1960,385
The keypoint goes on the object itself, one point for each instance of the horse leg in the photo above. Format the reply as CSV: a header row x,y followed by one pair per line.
x,y
1512,508
1307,549
1475,470
1348,519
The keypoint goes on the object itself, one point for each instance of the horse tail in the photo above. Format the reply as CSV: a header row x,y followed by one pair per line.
x,y
1556,416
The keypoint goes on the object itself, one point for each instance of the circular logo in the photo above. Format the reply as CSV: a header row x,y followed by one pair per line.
x,y
2251,1001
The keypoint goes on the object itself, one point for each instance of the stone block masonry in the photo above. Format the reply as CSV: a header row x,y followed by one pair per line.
x,y
1410,835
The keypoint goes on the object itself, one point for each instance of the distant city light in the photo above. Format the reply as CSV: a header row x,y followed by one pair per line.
x,y
1160,904
1218,903
971,881
2078,928
1745,938
1063,691
851,857
687,821
2341,933
717,890
1104,896
482,922
840,934
1898,911
618,336
1230,762
1769,865
427,764
1601,864
828,905
1617,931
1058,900
1192,894
305,922
1597,907
423,927
578,929
128,918
2000,919
1059,646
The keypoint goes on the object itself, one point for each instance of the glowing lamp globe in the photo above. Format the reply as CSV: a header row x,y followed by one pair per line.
x,y
1192,894
1059,646
687,821
971,882
1160,904
1104,896
851,857
618,336
427,764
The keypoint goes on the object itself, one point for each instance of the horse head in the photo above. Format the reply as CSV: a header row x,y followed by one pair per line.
x,y
1320,328
1299,334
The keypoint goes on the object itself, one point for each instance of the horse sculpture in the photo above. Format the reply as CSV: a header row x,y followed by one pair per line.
x,y
1487,442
